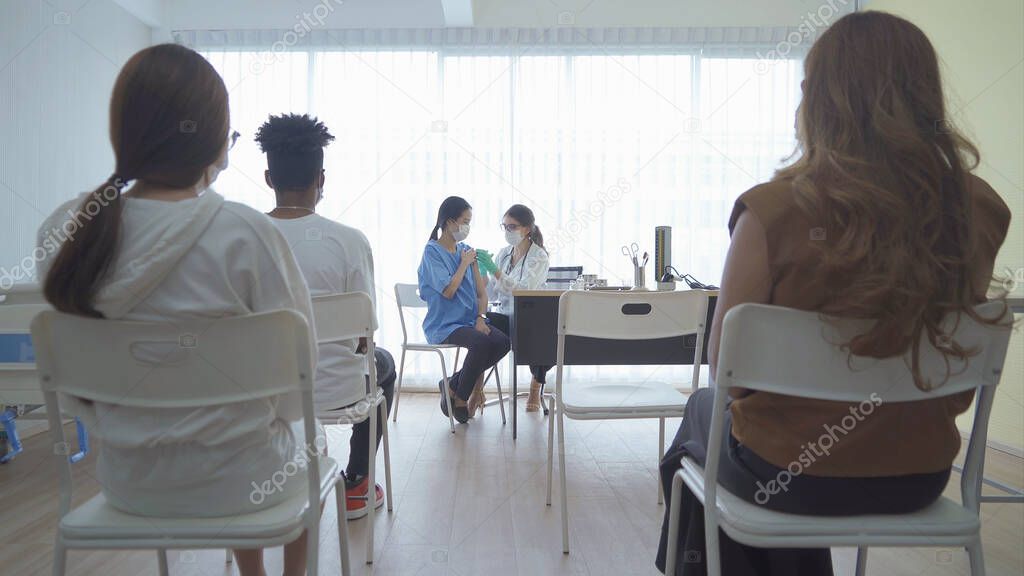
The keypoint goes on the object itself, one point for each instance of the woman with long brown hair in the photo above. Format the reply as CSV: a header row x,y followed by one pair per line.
x,y
878,218
170,249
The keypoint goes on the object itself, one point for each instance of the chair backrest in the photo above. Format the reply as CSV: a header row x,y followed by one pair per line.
x,y
163,365
407,296
799,353
342,317
22,294
345,316
559,277
634,315
19,383
140,364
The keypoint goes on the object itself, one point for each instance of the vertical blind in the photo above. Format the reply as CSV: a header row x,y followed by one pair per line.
x,y
603,141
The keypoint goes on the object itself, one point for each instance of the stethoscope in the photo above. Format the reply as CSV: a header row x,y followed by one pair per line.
x,y
522,262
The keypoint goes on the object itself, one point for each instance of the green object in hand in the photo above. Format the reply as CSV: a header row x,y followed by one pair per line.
x,y
486,262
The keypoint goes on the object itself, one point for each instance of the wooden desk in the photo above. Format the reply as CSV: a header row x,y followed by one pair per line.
x,y
534,334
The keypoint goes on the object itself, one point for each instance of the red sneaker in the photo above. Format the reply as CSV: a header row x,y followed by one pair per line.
x,y
355,499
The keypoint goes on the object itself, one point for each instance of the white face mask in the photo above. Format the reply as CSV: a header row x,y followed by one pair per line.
x,y
462,233
214,170
513,237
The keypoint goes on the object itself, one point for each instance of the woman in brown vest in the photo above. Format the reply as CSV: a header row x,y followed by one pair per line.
x,y
878,217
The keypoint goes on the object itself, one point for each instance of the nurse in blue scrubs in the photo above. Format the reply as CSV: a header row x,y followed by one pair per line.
x,y
450,283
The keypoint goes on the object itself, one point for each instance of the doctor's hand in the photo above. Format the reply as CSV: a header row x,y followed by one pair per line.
x,y
468,258
482,326
486,262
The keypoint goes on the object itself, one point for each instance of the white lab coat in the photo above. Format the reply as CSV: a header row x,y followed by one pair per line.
x,y
529,273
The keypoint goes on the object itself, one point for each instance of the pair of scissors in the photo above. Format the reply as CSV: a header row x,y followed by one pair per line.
x,y
631,252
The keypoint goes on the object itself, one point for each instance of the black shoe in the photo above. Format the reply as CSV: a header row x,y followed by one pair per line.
x,y
444,405
460,413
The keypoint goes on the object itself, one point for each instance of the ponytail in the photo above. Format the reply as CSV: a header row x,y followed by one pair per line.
x,y
537,238
87,254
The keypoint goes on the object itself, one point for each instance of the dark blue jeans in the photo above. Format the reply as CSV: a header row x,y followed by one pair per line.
x,y
743,473
482,352
359,444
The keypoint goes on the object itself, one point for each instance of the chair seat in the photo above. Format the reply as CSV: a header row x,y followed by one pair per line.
x,y
647,399
98,520
423,346
352,414
943,519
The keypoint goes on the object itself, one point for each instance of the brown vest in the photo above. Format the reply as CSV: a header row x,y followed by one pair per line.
x,y
896,439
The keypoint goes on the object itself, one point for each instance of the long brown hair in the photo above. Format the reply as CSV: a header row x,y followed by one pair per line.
x,y
168,124
883,173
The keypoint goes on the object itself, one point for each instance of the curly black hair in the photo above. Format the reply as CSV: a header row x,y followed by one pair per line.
x,y
294,145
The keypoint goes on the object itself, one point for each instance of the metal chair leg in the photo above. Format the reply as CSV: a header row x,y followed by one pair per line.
x,y
564,496
862,561
387,455
501,397
447,396
161,557
398,385
339,498
673,526
661,454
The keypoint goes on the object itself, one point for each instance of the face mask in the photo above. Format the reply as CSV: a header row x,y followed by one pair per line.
x,y
462,233
214,170
513,237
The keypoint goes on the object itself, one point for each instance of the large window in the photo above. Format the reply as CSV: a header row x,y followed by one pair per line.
x,y
604,146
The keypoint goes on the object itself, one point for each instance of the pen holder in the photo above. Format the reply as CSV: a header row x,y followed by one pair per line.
x,y
638,278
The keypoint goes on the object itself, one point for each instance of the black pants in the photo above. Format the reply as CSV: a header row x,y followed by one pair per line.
x,y
359,444
744,473
502,322
482,352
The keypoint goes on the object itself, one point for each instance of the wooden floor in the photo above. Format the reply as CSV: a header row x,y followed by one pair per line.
x,y
473,504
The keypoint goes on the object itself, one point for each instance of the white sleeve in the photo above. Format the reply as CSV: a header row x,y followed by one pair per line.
x,y
536,272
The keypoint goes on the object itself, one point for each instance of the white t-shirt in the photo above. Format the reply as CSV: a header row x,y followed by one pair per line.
x,y
334,258
187,461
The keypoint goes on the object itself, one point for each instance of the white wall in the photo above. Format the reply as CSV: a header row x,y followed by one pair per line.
x,y
58,62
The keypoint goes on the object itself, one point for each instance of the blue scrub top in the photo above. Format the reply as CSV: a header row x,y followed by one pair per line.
x,y
445,315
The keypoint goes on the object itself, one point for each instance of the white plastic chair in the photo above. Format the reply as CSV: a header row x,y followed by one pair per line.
x,y
234,359
408,296
342,317
807,362
19,383
621,316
